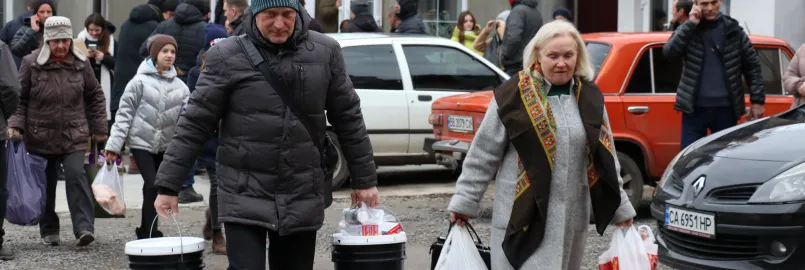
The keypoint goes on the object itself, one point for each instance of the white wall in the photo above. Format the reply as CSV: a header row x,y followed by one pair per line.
x,y
755,18
630,15
790,22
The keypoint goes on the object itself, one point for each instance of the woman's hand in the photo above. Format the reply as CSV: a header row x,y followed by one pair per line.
x,y
626,224
98,56
14,134
490,24
111,157
458,218
35,23
801,90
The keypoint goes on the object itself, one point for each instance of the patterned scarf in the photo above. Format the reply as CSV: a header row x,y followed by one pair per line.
x,y
527,116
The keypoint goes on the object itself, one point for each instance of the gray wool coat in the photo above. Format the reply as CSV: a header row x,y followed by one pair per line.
x,y
491,156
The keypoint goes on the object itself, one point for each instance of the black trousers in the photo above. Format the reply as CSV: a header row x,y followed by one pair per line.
x,y
79,196
246,245
148,164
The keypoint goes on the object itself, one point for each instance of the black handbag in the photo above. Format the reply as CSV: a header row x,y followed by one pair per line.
x,y
436,247
325,145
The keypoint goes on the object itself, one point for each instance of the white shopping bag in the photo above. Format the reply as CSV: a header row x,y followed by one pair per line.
x,y
108,190
626,252
459,252
650,243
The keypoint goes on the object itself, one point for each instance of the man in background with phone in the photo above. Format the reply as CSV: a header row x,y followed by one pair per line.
x,y
716,53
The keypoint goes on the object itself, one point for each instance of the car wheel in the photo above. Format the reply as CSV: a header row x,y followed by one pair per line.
x,y
632,179
341,173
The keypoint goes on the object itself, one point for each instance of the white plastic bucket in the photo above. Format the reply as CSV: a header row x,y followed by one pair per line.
x,y
180,253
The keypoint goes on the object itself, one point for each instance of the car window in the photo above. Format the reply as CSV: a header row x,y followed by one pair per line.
x,y
598,53
667,73
373,67
784,66
640,82
441,68
771,71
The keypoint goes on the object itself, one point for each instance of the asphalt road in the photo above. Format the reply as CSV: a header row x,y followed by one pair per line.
x,y
423,216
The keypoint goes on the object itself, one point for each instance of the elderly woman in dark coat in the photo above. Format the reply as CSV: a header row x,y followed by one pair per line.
x,y
58,83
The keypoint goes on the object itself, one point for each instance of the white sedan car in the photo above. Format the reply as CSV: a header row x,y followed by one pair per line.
x,y
397,78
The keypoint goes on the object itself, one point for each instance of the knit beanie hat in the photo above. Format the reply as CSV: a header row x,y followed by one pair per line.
x,y
164,5
201,5
360,7
156,43
564,13
260,5
408,8
56,27
212,34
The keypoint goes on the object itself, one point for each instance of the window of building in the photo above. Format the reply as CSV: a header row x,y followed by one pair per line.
x,y
439,68
373,67
440,16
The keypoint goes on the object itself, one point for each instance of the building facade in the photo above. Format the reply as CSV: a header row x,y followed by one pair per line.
x,y
771,18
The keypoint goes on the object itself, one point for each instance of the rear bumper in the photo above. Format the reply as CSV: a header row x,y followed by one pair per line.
x,y
448,153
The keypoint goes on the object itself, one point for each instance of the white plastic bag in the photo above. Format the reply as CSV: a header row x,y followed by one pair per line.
x,y
363,221
626,252
650,244
459,252
108,190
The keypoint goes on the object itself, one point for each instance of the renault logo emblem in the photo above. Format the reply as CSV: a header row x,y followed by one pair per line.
x,y
698,185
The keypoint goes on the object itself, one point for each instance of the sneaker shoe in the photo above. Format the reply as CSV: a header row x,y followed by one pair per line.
x,y
6,254
189,195
51,240
85,238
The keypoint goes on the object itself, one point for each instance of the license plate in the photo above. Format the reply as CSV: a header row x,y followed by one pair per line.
x,y
459,123
695,223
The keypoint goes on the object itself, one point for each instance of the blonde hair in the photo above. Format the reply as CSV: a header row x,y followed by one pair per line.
x,y
548,32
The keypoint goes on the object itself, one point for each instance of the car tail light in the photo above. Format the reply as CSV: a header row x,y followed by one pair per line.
x,y
435,119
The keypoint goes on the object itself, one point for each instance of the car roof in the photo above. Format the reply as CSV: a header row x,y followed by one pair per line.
x,y
355,36
626,38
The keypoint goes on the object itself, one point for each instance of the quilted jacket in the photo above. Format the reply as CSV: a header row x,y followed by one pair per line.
x,y
149,110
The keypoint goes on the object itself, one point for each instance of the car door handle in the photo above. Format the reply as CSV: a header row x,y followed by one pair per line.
x,y
638,109
425,98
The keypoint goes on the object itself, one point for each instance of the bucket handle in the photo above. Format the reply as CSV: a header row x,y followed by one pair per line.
x,y
181,243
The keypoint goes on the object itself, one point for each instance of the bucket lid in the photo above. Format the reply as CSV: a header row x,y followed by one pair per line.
x,y
163,246
350,240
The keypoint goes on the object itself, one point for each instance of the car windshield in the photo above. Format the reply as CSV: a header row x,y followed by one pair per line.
x,y
598,53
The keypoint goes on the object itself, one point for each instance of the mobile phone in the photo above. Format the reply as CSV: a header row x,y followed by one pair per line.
x,y
93,47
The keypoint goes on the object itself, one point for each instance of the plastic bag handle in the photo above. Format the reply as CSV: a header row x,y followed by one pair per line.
x,y
468,225
181,242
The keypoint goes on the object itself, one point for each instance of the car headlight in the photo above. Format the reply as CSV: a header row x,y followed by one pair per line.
x,y
670,169
788,186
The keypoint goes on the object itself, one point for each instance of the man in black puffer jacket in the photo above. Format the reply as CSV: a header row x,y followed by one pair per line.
x,y
716,52
187,27
271,179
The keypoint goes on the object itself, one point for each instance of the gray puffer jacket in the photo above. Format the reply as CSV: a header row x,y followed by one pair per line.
x,y
268,167
522,25
739,58
149,110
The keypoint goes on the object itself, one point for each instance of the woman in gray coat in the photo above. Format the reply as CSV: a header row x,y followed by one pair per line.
x,y
149,110
546,141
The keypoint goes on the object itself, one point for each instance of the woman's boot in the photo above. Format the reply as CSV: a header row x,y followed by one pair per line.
x,y
207,231
218,243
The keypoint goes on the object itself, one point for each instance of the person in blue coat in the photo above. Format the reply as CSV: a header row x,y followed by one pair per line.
x,y
11,28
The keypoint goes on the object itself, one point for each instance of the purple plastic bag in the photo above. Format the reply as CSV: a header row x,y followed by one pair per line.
x,y
26,184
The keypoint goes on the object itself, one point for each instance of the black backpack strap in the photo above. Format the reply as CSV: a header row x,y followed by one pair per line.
x,y
258,61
